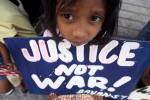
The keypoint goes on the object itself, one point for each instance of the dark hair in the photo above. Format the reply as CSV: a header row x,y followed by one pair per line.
x,y
109,27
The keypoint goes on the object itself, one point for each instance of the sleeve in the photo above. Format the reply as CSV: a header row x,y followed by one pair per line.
x,y
13,23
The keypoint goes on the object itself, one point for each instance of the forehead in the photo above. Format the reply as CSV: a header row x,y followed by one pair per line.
x,y
70,4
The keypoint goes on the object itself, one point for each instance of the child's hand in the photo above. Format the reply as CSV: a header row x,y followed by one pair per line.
x,y
11,66
97,97
53,96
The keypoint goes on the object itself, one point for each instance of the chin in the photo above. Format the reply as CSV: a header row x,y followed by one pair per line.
x,y
77,44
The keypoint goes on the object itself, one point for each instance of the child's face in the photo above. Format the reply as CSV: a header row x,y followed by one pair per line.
x,y
81,22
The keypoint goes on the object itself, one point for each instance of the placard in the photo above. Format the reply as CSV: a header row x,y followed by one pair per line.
x,y
49,66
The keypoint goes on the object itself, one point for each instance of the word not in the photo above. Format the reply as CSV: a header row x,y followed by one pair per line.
x,y
50,53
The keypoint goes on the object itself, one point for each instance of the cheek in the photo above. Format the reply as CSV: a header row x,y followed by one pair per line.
x,y
60,26
63,30
95,31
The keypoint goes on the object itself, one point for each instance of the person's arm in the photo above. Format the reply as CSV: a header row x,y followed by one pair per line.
x,y
6,57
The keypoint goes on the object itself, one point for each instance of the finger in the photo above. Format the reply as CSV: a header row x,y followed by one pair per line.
x,y
9,68
15,68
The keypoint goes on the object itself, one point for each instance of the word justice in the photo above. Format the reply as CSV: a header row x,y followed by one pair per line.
x,y
50,53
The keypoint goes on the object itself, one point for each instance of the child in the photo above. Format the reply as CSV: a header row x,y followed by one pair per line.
x,y
5,60
81,22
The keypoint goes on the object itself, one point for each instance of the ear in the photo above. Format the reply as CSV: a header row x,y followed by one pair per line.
x,y
58,32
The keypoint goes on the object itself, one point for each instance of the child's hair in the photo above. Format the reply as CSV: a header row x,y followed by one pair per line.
x,y
109,27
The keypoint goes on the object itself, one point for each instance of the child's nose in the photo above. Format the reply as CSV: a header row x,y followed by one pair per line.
x,y
80,33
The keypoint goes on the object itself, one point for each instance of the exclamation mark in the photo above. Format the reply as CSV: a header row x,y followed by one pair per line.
x,y
119,83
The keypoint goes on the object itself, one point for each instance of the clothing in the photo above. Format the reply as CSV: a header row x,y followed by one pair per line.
x,y
144,35
2,77
140,94
69,97
13,23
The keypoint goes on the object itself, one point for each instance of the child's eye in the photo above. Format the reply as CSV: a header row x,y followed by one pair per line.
x,y
68,16
95,18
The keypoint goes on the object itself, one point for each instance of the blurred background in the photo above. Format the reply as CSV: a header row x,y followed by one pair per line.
x,y
134,15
